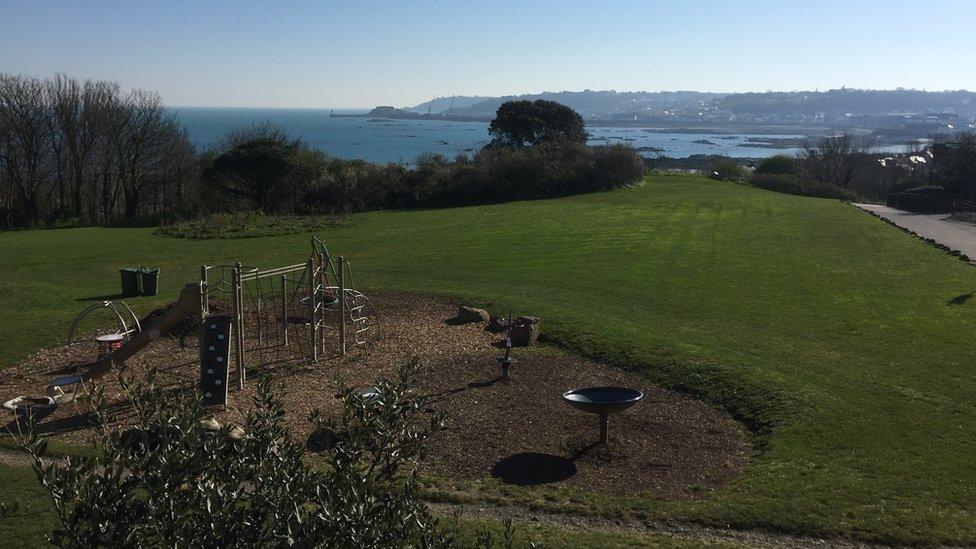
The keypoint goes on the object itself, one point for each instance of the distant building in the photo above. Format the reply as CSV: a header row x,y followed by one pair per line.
x,y
383,110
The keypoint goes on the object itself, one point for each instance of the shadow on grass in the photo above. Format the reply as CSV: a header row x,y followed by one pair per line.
x,y
960,299
111,297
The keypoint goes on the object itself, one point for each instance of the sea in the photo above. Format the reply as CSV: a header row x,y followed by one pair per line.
x,y
393,140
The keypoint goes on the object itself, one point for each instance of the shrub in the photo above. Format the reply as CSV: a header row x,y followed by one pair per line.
x,y
727,169
499,174
615,166
778,164
170,481
782,183
792,184
924,199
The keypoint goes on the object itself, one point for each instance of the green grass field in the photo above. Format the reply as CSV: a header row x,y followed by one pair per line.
x,y
835,337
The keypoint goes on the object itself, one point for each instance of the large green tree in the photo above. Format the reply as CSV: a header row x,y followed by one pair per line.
x,y
267,172
526,123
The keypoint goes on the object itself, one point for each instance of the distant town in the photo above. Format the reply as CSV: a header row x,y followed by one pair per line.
x,y
893,115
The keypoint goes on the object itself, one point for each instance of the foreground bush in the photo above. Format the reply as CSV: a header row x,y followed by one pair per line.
x,y
793,184
169,481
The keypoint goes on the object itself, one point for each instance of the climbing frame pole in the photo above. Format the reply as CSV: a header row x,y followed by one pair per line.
x,y
204,292
322,282
239,323
284,309
312,313
342,309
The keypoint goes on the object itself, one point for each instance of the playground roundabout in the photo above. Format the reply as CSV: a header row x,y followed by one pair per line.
x,y
516,430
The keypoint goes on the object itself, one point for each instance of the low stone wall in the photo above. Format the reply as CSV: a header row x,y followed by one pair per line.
x,y
964,216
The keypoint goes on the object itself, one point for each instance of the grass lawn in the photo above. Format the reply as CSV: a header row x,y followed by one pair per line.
x,y
832,335
35,518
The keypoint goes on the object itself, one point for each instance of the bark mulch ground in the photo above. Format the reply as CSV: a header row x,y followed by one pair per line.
x,y
519,431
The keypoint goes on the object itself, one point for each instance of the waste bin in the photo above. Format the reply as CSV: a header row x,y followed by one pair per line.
x,y
150,280
130,281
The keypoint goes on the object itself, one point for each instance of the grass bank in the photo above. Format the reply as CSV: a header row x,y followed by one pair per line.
x,y
841,341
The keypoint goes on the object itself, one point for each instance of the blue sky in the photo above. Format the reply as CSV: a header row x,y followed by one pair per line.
x,y
358,54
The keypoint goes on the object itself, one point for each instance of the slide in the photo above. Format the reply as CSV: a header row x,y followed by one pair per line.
x,y
187,304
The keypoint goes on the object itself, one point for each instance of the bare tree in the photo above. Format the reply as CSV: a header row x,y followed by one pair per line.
x,y
27,152
838,160
142,135
915,147
85,148
79,126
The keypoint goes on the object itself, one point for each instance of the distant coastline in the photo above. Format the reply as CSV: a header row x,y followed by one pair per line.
x,y
412,116
395,136
660,126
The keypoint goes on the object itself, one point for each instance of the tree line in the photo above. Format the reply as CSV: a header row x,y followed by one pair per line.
x,y
87,152
260,168
851,168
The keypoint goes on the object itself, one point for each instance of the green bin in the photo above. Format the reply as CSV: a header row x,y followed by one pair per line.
x,y
150,280
130,281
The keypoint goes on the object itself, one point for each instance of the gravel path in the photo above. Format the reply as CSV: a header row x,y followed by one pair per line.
x,y
679,532
954,234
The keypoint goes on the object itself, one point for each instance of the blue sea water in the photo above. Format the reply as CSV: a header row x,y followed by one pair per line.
x,y
386,140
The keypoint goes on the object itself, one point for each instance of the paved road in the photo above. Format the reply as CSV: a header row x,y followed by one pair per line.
x,y
954,234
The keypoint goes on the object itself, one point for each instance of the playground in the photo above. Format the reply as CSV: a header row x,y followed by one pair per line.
x,y
515,430
307,327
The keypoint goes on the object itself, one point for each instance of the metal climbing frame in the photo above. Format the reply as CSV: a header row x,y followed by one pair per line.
x,y
311,293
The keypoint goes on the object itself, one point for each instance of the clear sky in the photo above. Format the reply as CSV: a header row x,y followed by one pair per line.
x,y
295,53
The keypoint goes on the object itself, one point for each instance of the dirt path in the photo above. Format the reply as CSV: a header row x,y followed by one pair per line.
x,y
13,458
954,234
688,533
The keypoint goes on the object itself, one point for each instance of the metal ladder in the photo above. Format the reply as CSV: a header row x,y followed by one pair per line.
x,y
358,307
357,310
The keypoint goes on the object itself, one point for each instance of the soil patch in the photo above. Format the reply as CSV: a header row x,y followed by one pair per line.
x,y
517,430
